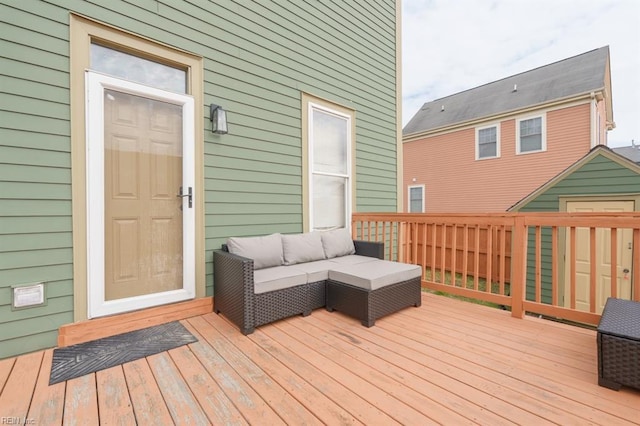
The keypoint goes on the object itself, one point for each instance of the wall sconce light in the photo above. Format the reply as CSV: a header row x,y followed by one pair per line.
x,y
218,118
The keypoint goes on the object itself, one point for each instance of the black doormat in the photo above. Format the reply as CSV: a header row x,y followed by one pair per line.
x,y
84,358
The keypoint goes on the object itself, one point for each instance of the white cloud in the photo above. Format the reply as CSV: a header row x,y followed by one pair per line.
x,y
454,45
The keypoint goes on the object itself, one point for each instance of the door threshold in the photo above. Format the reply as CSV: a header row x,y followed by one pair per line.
x,y
97,328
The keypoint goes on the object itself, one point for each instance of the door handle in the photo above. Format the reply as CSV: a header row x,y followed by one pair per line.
x,y
188,194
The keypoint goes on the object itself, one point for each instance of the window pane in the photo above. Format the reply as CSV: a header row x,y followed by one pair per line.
x,y
531,143
531,135
137,69
143,153
487,135
488,142
415,200
531,127
329,143
487,150
329,209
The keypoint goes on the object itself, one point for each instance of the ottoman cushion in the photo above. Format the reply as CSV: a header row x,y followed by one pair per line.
x,y
374,275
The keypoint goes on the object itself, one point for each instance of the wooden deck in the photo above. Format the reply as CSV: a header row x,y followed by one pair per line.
x,y
448,362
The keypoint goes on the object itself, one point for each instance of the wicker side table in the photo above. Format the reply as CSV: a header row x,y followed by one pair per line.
x,y
619,344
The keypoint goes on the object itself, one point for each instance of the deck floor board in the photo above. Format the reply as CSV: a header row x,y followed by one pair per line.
x,y
447,362
47,402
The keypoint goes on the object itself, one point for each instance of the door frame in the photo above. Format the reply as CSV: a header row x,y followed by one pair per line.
x,y
82,32
96,84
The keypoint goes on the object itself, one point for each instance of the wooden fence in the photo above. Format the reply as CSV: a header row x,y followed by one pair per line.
x,y
476,250
533,259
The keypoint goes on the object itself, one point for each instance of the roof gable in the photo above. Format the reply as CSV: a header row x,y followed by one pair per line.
x,y
598,151
581,74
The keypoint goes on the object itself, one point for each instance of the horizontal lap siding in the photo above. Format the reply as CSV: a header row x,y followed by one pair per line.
x,y
456,182
343,52
600,176
258,57
35,174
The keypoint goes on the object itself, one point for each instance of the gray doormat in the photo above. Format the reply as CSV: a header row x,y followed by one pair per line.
x,y
84,358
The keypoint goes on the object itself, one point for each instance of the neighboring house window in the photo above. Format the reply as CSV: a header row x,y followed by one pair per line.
x,y
531,135
487,142
329,165
416,199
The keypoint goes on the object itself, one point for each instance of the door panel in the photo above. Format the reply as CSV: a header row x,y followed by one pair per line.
x,y
603,257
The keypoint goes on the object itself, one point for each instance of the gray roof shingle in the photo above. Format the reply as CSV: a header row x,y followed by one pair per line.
x,y
631,152
579,74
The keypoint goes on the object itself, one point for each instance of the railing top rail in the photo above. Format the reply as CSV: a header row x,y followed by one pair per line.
x,y
499,214
582,219
587,221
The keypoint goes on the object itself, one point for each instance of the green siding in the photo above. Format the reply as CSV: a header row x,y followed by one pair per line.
x,y
258,58
599,176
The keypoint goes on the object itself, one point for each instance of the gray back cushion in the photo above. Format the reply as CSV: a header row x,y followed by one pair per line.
x,y
300,248
337,242
265,251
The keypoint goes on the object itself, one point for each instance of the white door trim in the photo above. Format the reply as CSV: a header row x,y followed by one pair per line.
x,y
96,84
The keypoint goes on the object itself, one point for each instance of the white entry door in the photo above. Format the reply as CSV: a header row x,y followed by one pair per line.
x,y
140,183
603,257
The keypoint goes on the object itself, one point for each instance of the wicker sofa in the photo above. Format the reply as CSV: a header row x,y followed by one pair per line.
x,y
258,280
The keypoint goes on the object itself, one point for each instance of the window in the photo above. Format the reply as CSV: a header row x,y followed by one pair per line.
x,y
137,69
329,133
416,199
487,142
531,135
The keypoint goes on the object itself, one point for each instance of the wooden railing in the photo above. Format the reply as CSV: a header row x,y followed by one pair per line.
x,y
561,265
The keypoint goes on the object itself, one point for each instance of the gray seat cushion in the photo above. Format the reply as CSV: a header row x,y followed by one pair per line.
x,y
352,259
316,271
374,275
277,278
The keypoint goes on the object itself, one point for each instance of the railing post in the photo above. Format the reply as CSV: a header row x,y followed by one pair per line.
x,y
518,266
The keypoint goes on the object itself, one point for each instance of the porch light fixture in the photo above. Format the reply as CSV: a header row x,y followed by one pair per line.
x,y
218,118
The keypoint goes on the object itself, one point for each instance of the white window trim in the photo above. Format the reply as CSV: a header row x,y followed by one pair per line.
x,y
477,132
348,207
409,188
543,117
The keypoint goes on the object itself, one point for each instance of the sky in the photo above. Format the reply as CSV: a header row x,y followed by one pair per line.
x,y
453,45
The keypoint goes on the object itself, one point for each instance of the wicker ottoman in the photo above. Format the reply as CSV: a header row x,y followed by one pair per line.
x,y
619,344
371,290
